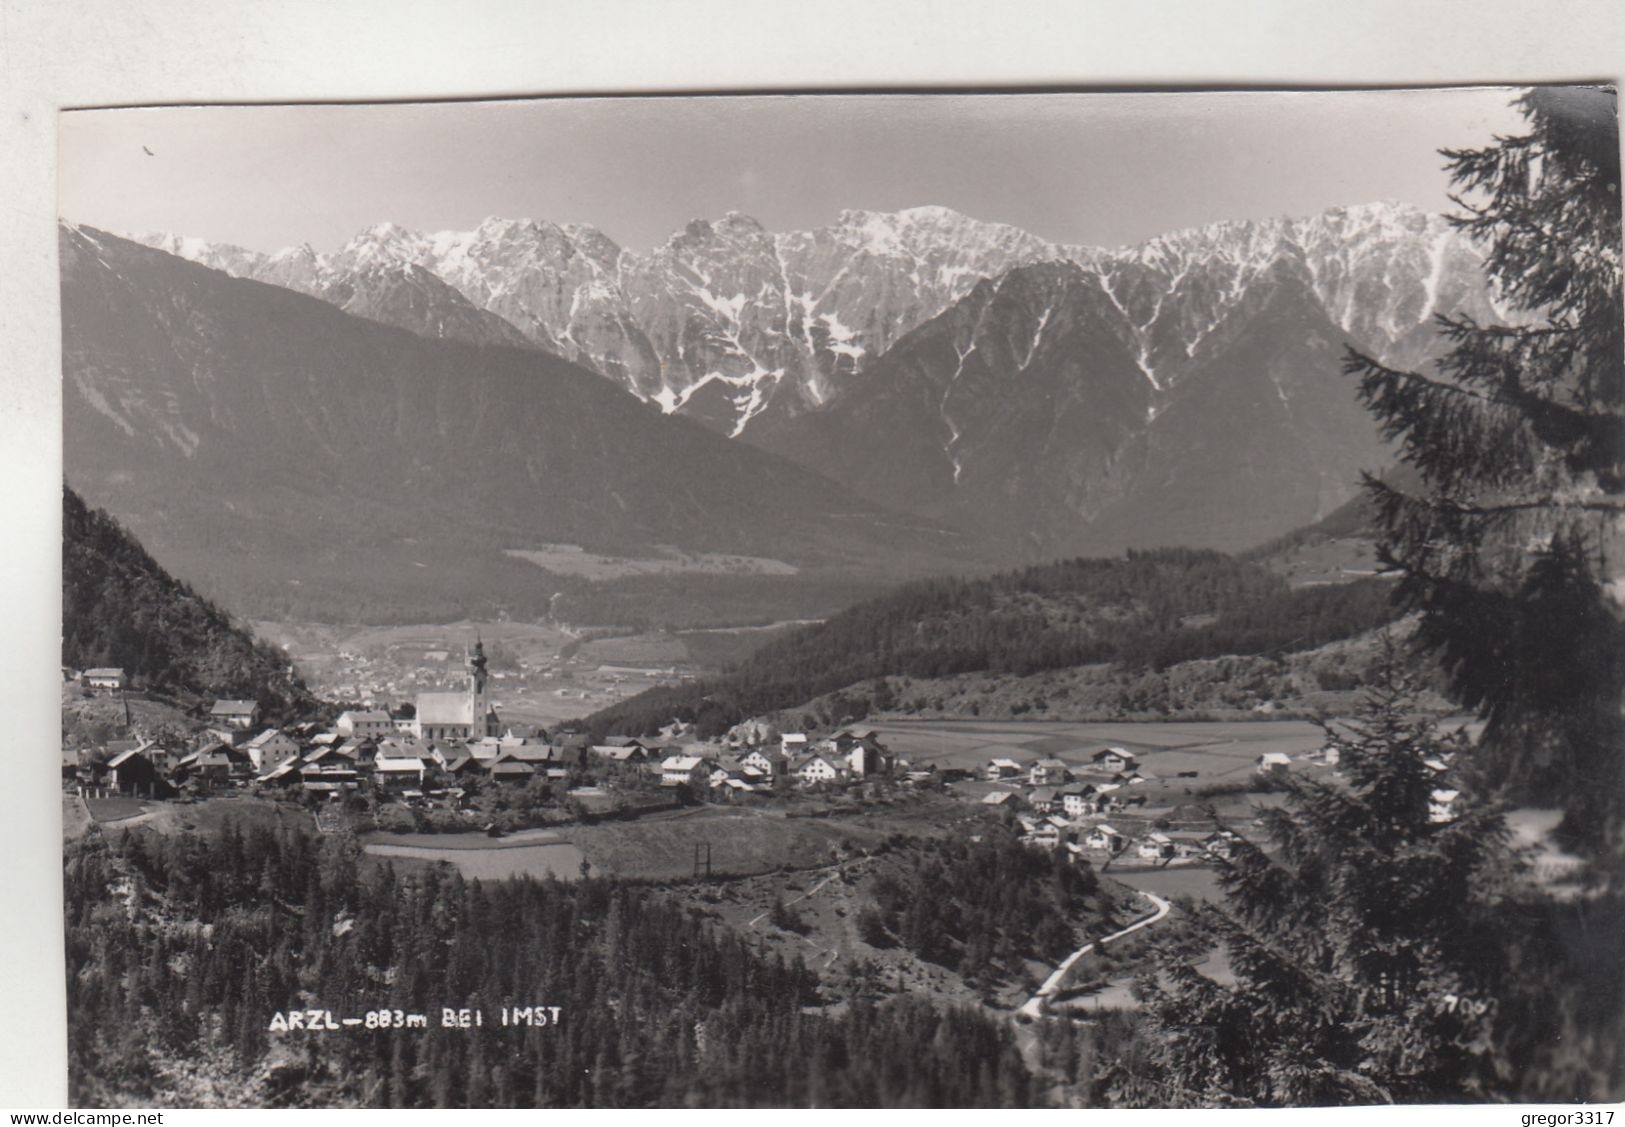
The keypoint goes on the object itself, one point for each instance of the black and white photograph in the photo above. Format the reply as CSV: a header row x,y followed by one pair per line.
x,y
1019,599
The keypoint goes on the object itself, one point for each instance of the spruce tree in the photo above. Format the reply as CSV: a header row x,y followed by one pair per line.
x,y
1372,943
1508,547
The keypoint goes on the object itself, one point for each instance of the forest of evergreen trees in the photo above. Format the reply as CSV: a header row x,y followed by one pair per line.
x,y
1147,610
980,907
120,608
658,1007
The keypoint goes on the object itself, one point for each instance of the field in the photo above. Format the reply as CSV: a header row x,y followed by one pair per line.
x,y
1163,748
115,808
569,559
541,673
1334,560
491,862
1199,882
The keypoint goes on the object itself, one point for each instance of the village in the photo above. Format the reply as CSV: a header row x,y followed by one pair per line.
x,y
446,761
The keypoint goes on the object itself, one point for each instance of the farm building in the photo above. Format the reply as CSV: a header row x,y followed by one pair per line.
x,y
1114,759
105,679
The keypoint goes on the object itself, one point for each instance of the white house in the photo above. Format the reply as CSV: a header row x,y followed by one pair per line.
x,y
769,765
815,769
367,724
1273,762
1104,837
1048,772
268,748
1156,846
1440,804
1077,801
400,771
104,679
1002,769
1114,759
678,769
865,758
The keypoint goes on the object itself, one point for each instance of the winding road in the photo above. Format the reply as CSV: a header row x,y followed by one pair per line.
x,y
1034,1006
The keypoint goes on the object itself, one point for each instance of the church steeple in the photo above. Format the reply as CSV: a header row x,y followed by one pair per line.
x,y
479,707
476,665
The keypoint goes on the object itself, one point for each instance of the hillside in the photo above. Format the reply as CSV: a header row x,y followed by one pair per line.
x,y
1147,611
293,460
120,608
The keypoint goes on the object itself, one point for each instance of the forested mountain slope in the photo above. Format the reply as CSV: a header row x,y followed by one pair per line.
x,y
120,608
1147,610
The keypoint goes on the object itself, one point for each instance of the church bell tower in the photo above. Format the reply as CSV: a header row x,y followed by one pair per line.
x,y
479,706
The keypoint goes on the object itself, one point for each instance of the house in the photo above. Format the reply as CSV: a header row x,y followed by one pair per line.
x,y
539,755
511,771
1188,843
793,743
1048,772
363,753
1105,837
865,757
1002,769
216,766
1044,835
676,770
372,722
1113,760
237,715
631,752
1440,805
814,769
1004,799
283,774
1044,798
444,755
399,771
1273,762
134,774
770,765
459,766
103,680
268,748
332,774
1220,842
1156,846
1078,800
74,764
571,747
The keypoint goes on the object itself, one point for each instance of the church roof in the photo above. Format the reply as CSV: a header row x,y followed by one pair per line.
x,y
445,708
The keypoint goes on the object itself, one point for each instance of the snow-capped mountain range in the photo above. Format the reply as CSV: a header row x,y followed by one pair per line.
x,y
728,322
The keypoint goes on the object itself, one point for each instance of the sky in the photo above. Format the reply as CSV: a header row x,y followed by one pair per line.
x,y
1094,169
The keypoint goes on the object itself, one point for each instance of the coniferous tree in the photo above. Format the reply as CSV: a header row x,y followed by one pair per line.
x,y
1372,946
1519,442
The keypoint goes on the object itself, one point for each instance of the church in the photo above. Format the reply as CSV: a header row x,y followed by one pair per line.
x,y
467,715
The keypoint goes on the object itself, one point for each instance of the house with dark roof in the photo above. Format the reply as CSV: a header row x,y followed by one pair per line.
x,y
136,774
240,715
511,771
